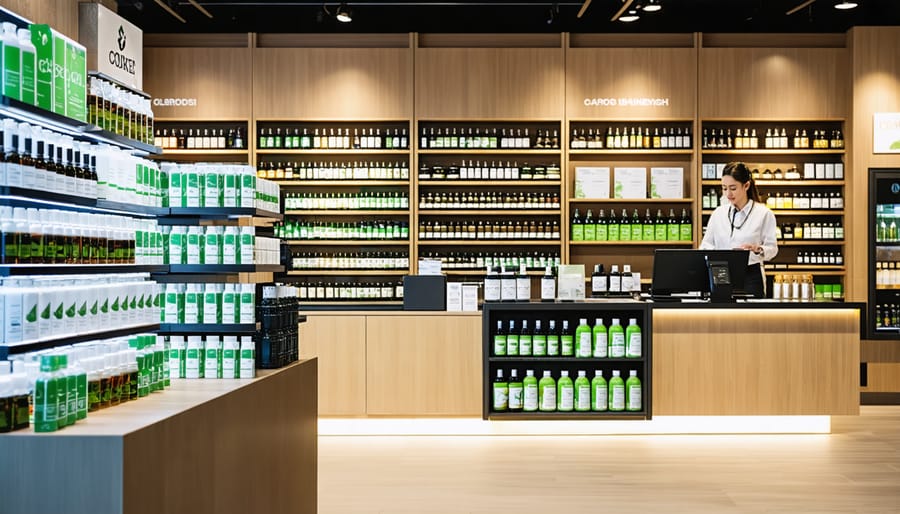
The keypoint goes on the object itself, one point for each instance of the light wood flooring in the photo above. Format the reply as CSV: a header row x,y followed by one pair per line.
x,y
854,469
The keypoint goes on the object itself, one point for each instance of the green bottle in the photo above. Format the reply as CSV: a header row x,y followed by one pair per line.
x,y
637,228
567,340
501,392
601,230
582,392
512,339
601,341
539,340
45,394
616,392
590,227
616,340
673,227
71,391
547,393
633,392
525,340
515,391
552,340
583,340
577,227
649,232
500,340
624,227
565,392
633,340
686,226
612,228
659,227
62,393
598,392
530,392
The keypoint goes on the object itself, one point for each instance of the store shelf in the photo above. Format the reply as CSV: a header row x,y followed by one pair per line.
x,y
21,197
489,242
481,273
632,151
105,136
332,151
9,270
211,152
488,182
490,212
30,346
631,243
346,272
208,328
775,183
342,183
631,200
808,212
223,268
817,242
491,151
774,151
558,359
894,287
566,415
347,242
888,244
347,212
351,305
222,212
132,209
808,267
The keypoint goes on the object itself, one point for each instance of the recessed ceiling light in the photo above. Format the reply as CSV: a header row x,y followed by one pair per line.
x,y
652,6
630,17
844,5
343,14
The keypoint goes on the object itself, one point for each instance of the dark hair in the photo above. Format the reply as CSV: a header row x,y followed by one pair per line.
x,y
740,172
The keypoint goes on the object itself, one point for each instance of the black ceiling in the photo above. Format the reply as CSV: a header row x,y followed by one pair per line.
x,y
505,16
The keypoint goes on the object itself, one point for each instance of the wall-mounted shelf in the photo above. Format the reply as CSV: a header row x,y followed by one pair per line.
x,y
346,272
9,270
340,183
30,346
223,268
632,151
816,242
492,151
347,242
497,182
631,243
490,212
489,242
631,200
334,151
780,151
208,328
347,212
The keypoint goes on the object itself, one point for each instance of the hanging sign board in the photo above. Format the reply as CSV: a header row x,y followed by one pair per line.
x,y
115,46
886,134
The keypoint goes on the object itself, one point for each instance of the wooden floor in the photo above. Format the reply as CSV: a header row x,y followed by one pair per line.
x,y
855,469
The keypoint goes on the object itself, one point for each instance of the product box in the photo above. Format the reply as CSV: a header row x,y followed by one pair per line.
x,y
630,183
42,38
591,182
59,74
454,296
424,293
666,182
76,81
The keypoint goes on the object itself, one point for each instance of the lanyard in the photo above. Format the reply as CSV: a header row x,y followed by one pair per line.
x,y
733,216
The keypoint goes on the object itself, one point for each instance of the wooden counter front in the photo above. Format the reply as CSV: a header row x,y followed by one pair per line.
x,y
748,360
201,446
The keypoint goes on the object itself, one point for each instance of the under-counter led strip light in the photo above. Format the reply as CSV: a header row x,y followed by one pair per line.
x,y
657,426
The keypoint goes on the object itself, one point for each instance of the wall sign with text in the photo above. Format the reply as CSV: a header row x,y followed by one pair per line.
x,y
626,102
115,46
886,134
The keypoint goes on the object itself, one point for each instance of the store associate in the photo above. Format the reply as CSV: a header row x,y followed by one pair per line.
x,y
743,222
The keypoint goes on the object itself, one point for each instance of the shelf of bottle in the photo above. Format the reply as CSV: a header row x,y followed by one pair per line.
x,y
341,183
221,212
795,212
105,136
21,197
773,151
490,212
208,328
631,243
539,359
222,268
211,152
7,349
346,272
332,151
775,183
9,270
489,242
363,304
481,273
347,212
494,182
489,151
887,287
632,151
812,242
887,244
555,415
631,200
347,242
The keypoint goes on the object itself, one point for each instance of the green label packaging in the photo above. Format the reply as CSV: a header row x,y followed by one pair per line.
x,y
12,71
59,74
76,81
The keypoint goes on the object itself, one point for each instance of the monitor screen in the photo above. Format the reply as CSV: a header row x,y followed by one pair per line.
x,y
683,272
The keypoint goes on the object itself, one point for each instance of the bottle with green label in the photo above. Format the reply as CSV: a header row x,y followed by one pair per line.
x,y
567,340
552,340
687,227
583,337
590,227
599,398
602,224
62,392
547,393
45,395
512,339
516,388
501,392
616,392
633,392
539,340
649,230
659,227
500,340
624,227
565,393
530,392
673,227
616,340
525,339
582,392
601,341
577,227
637,228
633,340
71,378
612,228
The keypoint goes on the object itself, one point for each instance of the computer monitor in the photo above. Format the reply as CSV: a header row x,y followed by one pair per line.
x,y
686,272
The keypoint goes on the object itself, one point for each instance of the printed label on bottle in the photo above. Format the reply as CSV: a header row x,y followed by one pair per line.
x,y
634,345
583,398
600,345
568,345
512,344
491,290
499,345
634,398
618,398
600,398
552,345
501,397
525,346
548,398
567,398
539,346
598,284
530,402
617,346
548,289
584,344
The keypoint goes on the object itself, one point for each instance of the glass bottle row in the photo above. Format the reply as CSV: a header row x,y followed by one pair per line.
x,y
489,200
633,228
632,138
477,170
480,260
357,170
786,200
810,231
350,261
887,315
886,223
774,138
350,291
503,230
209,303
208,139
119,111
366,200
487,138
362,230
819,257
528,394
340,138
887,273
582,341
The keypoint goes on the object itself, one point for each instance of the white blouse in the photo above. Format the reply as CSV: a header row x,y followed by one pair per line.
x,y
729,228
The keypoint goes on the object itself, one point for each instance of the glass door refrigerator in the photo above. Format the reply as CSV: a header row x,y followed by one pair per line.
x,y
884,254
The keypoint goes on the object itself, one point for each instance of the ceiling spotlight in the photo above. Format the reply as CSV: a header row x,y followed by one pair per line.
x,y
652,6
552,13
844,5
343,13
630,17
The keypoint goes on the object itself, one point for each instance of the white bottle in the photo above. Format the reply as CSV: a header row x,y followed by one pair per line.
x,y
231,357
248,304
247,245
10,142
193,245
212,357
192,300
248,357
193,356
523,285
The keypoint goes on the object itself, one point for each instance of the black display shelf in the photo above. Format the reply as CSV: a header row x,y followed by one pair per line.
x,y
222,212
9,349
133,209
222,268
105,136
591,360
350,305
208,328
10,270
568,415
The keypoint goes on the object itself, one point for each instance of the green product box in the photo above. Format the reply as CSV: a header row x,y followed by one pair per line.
x,y
59,74
76,81
42,38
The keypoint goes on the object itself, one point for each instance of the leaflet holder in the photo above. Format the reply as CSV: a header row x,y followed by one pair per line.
x,y
720,287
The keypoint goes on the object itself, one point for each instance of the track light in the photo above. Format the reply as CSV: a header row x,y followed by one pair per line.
x,y
630,17
844,5
652,6
552,13
343,13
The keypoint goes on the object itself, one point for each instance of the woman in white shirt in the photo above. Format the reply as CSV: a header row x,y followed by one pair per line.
x,y
743,222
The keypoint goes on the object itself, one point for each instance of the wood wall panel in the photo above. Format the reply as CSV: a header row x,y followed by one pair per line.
x,y
490,83
784,83
339,343
424,365
62,15
635,73
882,377
333,83
219,78
760,362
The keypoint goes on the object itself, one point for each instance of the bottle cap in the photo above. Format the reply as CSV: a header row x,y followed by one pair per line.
x,y
546,374
583,321
598,372
529,372
615,321
633,321
581,373
499,373
632,373
616,373
598,322
626,268
562,373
